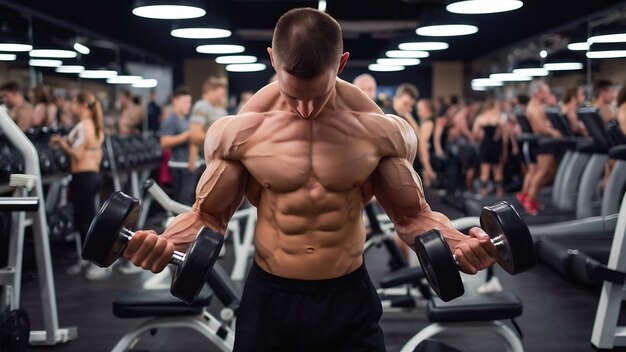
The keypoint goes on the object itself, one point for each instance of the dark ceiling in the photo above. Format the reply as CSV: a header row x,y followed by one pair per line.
x,y
370,27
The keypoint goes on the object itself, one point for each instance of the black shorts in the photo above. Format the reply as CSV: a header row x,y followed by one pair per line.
x,y
279,314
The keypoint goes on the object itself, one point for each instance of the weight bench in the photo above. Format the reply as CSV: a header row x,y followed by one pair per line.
x,y
409,277
469,314
166,311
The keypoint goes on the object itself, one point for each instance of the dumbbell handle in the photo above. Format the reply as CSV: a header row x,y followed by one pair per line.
x,y
497,241
177,258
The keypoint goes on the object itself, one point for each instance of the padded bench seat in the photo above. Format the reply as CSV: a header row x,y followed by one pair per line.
x,y
493,306
157,303
408,275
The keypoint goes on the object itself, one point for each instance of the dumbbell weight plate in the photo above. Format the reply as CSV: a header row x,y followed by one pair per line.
x,y
104,244
192,274
14,331
438,265
516,249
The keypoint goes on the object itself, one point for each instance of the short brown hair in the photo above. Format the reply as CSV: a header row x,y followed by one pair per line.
x,y
601,86
10,86
408,89
306,42
41,94
180,91
214,82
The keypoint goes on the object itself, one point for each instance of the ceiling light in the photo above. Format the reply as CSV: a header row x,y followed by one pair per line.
x,y
220,49
580,46
70,69
472,7
200,33
480,88
81,48
97,74
321,5
510,77
15,47
146,83
245,67
428,46
53,53
124,79
45,63
486,82
8,57
533,72
417,54
543,54
446,30
398,62
235,59
168,12
606,54
563,66
608,38
384,68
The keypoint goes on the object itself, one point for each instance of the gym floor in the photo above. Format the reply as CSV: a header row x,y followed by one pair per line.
x,y
558,315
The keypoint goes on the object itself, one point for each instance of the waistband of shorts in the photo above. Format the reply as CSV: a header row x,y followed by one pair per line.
x,y
352,279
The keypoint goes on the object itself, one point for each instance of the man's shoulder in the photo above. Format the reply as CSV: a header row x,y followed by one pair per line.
x,y
354,99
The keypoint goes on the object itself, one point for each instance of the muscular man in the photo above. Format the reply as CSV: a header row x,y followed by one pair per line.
x,y
19,109
309,151
604,97
538,175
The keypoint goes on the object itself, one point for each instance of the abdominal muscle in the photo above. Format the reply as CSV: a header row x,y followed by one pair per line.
x,y
311,233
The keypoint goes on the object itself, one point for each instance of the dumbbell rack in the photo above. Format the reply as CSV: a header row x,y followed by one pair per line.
x,y
52,334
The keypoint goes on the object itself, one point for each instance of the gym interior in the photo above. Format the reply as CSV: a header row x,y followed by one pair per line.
x,y
205,175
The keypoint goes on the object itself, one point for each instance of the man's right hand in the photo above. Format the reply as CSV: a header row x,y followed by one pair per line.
x,y
149,251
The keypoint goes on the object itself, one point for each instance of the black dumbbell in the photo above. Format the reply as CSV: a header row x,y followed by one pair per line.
x,y
110,232
509,234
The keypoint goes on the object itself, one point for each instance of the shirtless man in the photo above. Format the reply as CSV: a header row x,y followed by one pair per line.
x,y
367,83
132,114
19,109
539,174
309,151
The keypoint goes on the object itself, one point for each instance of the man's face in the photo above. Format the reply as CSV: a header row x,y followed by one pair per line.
x,y
306,97
9,98
580,96
368,86
182,105
403,104
608,95
544,94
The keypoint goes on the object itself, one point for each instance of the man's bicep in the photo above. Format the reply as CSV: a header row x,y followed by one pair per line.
x,y
220,192
398,188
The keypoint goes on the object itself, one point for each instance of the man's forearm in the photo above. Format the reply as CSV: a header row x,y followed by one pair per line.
x,y
184,228
425,221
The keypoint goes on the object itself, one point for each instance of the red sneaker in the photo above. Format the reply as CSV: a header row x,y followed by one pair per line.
x,y
521,197
531,206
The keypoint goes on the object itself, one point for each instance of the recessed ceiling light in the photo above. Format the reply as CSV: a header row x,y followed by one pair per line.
x,y
427,46
398,62
510,77
70,69
8,57
45,63
235,59
146,83
124,79
543,54
81,48
486,82
533,72
472,7
220,49
563,66
606,54
53,53
608,38
417,54
245,67
97,74
480,88
200,33
580,46
446,30
168,12
384,68
15,47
